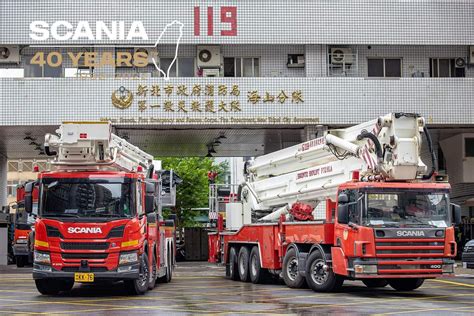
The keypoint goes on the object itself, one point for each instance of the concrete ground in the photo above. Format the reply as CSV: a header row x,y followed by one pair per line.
x,y
199,287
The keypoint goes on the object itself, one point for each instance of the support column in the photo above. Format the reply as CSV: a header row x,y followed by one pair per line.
x,y
3,222
3,180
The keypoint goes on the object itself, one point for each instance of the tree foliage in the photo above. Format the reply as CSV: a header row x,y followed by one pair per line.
x,y
193,192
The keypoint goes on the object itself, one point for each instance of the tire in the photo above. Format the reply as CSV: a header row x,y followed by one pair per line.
x,y
48,286
140,286
169,271
66,285
257,273
21,261
243,264
232,267
153,274
374,283
290,270
406,284
319,276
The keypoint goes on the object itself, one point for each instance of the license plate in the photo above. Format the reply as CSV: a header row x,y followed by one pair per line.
x,y
83,277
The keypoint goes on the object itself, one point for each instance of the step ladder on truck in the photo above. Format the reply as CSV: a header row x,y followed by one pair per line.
x,y
355,204
99,214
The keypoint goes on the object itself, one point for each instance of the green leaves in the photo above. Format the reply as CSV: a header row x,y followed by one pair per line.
x,y
194,191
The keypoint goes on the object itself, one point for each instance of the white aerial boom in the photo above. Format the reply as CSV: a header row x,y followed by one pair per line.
x,y
387,148
92,145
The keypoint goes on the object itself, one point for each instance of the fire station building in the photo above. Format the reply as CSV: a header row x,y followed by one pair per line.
x,y
175,76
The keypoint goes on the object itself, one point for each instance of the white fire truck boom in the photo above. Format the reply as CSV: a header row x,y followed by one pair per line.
x,y
387,148
92,145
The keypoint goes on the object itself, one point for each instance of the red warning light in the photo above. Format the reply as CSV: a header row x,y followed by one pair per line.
x,y
355,175
83,135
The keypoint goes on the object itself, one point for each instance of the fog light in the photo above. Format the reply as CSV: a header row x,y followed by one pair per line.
x,y
448,268
40,267
124,269
365,268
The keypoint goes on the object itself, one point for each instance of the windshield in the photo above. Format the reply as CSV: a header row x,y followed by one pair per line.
x,y
87,198
407,208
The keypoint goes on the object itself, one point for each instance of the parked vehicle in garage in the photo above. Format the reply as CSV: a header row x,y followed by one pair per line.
x,y
23,243
99,214
384,219
468,255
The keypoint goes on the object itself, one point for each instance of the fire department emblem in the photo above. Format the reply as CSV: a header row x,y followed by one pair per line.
x,y
122,98
345,234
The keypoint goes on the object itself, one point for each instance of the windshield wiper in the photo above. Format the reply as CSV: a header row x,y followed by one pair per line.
x,y
104,215
60,215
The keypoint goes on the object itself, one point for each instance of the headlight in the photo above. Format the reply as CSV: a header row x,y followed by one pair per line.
x,y
365,268
21,241
42,257
127,258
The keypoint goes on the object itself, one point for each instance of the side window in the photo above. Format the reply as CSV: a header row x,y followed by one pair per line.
x,y
354,207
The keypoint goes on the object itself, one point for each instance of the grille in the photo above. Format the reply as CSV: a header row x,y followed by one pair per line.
x,y
397,256
84,255
92,269
84,245
469,249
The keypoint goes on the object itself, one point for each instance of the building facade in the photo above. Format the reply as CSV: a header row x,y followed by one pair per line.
x,y
264,74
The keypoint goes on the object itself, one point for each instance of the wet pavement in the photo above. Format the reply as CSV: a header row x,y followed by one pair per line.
x,y
199,287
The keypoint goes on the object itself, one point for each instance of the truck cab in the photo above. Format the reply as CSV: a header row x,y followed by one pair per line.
x,y
394,231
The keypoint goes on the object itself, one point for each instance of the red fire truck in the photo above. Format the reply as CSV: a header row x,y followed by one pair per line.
x,y
353,204
99,213
22,238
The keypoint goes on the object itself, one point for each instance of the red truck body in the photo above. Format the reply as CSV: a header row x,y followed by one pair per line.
x,y
407,252
94,225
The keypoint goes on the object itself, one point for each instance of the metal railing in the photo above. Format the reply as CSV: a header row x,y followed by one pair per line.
x,y
219,195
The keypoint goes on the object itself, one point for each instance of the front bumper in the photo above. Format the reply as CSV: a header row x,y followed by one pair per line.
x,y
39,272
468,260
21,250
445,268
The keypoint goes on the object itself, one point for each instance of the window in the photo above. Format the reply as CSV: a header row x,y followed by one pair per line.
x,y
46,71
241,67
183,67
384,67
469,147
12,72
445,68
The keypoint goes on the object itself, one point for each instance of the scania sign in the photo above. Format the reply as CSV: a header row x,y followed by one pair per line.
x,y
84,230
410,233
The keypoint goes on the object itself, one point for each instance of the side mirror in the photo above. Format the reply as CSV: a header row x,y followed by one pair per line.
x,y
29,197
456,213
342,198
149,204
150,187
343,214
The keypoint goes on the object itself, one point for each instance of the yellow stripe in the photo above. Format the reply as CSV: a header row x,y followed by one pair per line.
x,y
41,243
455,283
152,225
130,243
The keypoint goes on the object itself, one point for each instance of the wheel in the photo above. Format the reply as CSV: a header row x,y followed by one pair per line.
x,y
319,275
169,270
153,274
21,261
66,285
290,270
243,264
257,273
233,274
373,283
48,286
406,284
140,286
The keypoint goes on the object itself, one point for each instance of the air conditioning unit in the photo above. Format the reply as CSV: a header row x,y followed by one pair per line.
x,y
460,62
211,72
341,56
208,56
9,55
471,55
151,52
